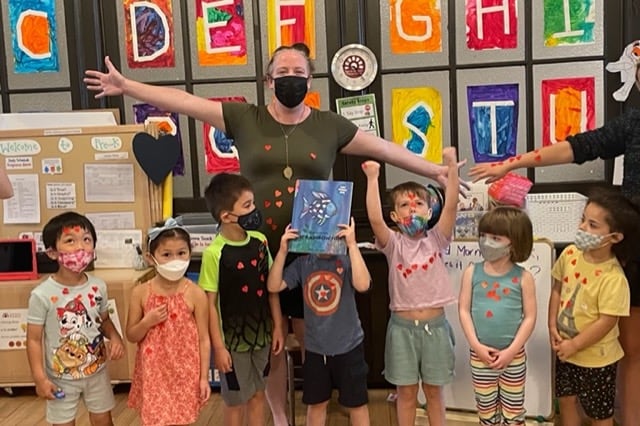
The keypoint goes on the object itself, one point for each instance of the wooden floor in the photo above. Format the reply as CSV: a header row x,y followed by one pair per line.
x,y
25,408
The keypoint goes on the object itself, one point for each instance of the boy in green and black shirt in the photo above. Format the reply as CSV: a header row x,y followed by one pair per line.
x,y
244,320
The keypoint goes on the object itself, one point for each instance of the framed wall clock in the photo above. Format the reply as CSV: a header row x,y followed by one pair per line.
x,y
354,67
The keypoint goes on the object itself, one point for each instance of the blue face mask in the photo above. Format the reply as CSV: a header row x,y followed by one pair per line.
x,y
414,225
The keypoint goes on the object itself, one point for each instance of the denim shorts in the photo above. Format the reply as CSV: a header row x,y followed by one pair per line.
x,y
417,350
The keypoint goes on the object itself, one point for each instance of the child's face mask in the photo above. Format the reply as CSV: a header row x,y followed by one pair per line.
x,y
76,261
586,241
414,225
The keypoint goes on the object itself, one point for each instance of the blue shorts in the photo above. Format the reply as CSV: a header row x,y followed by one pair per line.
x,y
417,350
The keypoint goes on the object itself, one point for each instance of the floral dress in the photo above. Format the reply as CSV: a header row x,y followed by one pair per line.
x,y
166,380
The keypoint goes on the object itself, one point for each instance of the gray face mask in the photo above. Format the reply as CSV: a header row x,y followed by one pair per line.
x,y
587,241
493,250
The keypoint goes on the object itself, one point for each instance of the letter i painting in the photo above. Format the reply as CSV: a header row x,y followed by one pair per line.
x,y
491,24
415,26
291,21
149,34
568,107
493,121
220,33
416,121
34,36
569,22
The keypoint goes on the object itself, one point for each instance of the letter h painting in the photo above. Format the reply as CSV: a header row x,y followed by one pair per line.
x,y
493,121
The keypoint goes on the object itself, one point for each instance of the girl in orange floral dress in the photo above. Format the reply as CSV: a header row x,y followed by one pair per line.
x,y
168,319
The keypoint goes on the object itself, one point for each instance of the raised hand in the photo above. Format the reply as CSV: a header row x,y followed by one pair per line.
x,y
371,169
109,84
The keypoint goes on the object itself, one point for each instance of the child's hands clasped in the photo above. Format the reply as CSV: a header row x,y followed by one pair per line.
x,y
565,349
503,358
487,354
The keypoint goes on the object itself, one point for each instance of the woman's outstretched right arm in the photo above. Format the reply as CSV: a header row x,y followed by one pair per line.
x,y
113,83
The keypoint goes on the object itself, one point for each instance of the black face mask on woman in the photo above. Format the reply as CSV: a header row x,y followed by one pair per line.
x,y
290,90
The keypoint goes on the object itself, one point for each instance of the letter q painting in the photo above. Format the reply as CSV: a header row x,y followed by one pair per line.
x,y
33,36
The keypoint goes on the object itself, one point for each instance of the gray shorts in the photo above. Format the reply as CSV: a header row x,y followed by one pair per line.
x,y
417,350
95,390
248,376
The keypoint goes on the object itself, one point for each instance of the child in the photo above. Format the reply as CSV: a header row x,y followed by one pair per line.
x,y
419,342
590,293
68,320
497,309
243,315
168,319
334,354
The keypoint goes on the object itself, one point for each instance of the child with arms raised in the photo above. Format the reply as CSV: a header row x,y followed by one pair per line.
x,y
244,318
334,354
70,310
168,319
497,309
590,293
419,342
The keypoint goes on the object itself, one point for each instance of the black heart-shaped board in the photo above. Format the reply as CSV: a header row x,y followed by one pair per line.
x,y
156,156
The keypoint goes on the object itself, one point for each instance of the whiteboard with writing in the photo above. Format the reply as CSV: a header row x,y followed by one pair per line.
x,y
539,385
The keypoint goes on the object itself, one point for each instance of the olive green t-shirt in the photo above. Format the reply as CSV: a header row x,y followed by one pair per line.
x,y
260,141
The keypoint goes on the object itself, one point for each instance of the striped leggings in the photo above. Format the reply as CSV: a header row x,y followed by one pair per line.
x,y
500,393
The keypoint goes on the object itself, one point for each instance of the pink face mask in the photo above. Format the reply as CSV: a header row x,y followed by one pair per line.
x,y
76,261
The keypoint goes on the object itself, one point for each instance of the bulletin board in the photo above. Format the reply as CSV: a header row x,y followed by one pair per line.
x,y
90,170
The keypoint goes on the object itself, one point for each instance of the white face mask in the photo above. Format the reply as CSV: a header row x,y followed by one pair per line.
x,y
173,270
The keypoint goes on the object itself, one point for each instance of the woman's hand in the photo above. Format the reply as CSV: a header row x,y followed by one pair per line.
x,y
109,84
490,171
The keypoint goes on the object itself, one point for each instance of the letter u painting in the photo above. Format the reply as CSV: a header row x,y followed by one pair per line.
x,y
33,36
149,33
415,26
568,107
289,22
